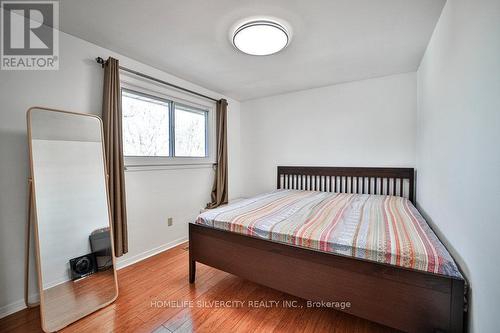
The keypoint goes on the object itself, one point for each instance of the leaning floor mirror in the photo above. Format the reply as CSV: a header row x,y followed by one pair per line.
x,y
73,233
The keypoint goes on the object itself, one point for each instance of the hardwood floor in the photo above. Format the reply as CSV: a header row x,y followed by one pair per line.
x,y
155,296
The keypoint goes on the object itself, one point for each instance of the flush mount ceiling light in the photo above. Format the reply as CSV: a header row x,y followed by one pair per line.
x,y
261,37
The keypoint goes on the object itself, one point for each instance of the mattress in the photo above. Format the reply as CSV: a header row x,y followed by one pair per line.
x,y
380,228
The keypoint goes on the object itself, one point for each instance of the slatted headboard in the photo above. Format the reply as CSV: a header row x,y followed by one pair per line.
x,y
386,181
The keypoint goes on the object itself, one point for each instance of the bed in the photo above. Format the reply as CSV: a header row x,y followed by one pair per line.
x,y
339,235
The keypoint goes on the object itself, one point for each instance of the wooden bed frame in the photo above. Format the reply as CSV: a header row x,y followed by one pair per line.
x,y
405,299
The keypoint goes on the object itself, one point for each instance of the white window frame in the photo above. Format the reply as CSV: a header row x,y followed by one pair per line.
x,y
154,89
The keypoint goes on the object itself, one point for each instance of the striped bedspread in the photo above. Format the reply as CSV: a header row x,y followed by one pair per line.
x,y
380,228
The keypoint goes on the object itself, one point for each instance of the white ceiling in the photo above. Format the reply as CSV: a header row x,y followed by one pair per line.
x,y
333,40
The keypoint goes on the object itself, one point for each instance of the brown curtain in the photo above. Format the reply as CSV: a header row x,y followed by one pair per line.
x,y
112,121
219,189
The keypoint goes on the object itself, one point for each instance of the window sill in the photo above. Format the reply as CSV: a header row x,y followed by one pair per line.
x,y
136,163
156,167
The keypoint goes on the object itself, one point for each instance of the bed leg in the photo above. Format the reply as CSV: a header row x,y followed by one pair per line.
x,y
192,262
192,270
457,306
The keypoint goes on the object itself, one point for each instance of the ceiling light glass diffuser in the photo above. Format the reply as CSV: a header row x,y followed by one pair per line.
x,y
261,37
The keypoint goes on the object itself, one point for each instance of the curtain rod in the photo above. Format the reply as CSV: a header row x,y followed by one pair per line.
x,y
101,61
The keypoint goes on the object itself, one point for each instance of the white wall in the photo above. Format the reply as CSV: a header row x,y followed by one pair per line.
x,y
152,196
362,123
458,152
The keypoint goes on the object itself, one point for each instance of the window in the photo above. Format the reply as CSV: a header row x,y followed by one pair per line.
x,y
163,130
190,131
145,125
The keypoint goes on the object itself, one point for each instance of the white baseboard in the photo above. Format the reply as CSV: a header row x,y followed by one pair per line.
x,y
121,263
12,308
18,305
